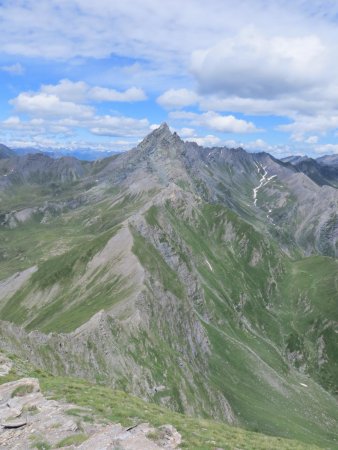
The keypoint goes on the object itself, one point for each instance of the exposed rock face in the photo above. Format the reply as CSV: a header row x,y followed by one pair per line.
x,y
5,365
141,437
28,419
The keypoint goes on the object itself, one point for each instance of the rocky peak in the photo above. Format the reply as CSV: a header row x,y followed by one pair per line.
x,y
163,129
161,142
161,133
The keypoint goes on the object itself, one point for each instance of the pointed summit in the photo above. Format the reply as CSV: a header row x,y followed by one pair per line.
x,y
159,134
162,130
164,126
161,142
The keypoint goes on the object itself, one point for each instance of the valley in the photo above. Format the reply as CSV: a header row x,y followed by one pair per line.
x,y
200,280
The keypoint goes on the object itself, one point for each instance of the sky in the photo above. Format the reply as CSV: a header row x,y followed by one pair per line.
x,y
84,74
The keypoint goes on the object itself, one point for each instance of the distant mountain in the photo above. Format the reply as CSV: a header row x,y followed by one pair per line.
x,y
294,159
323,171
40,169
82,154
6,152
328,160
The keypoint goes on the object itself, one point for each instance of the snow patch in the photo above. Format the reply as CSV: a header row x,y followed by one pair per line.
x,y
209,265
262,182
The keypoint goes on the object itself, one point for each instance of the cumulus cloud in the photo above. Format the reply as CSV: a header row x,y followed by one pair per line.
x,y
186,132
177,98
101,125
66,90
254,65
42,104
16,128
42,143
101,94
226,124
217,122
284,65
206,141
326,149
303,125
140,28
62,109
259,145
118,126
79,91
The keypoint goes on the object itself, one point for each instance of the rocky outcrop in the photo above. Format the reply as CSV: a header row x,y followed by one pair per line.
x,y
29,420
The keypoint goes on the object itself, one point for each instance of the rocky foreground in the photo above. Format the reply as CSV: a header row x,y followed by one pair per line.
x,y
30,420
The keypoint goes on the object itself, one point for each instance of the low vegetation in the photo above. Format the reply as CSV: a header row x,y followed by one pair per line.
x,y
103,403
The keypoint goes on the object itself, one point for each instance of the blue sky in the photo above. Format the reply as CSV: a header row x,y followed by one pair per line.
x,y
256,73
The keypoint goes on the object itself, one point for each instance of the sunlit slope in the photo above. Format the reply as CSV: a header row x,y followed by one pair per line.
x,y
179,274
196,314
94,403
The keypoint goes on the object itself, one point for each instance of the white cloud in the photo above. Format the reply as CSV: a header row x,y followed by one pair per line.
x,y
206,141
153,126
326,149
61,109
260,145
101,94
31,127
288,68
43,143
186,132
118,126
99,125
49,105
261,72
12,121
14,69
288,106
310,124
256,146
177,98
216,122
312,140
225,124
66,90
79,91
254,65
140,28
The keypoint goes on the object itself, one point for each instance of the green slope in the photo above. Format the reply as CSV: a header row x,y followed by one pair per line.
x,y
307,308
118,407
247,333
208,273
228,324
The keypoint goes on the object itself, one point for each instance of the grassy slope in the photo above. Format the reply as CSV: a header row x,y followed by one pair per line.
x,y
118,407
248,367
308,310
247,364
32,243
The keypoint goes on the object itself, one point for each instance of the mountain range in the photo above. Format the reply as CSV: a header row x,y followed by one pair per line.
x,y
200,279
85,154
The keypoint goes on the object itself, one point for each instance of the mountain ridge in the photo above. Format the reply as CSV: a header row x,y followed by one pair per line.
x,y
187,276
